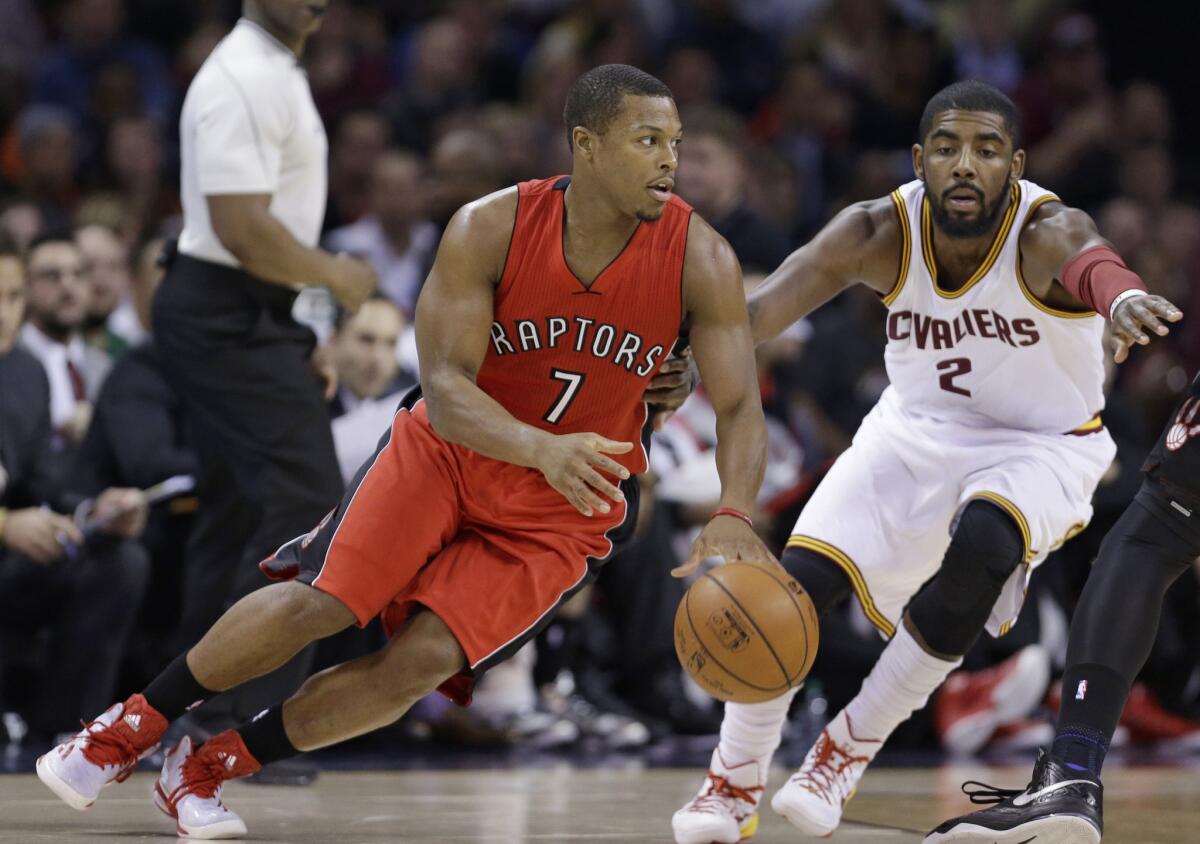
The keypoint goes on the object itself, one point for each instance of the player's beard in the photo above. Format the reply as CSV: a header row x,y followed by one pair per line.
x,y
966,227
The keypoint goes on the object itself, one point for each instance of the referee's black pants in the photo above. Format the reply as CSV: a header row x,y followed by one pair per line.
x,y
261,428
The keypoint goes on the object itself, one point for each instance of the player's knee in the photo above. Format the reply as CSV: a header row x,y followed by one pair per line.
x,y
986,549
309,609
422,657
822,579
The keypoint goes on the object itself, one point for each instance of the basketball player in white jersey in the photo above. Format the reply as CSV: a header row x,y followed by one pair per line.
x,y
978,460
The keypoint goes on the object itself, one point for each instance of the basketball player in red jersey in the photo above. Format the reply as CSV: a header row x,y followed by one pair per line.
x,y
494,496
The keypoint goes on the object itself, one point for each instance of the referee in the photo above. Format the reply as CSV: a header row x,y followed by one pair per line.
x,y
253,190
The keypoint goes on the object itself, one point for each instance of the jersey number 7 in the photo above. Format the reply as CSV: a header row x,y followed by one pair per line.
x,y
572,381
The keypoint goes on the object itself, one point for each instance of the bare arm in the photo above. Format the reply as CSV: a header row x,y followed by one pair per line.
x,y
1057,234
724,352
861,244
266,249
453,324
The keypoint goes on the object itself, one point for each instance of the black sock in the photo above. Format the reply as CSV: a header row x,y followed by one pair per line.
x,y
175,690
265,737
1093,697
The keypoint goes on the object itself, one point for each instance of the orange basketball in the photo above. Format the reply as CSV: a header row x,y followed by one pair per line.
x,y
746,632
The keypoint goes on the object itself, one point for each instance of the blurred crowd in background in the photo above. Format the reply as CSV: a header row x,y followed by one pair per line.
x,y
791,110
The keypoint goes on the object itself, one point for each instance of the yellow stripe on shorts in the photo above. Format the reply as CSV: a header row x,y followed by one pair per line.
x,y
1019,517
856,578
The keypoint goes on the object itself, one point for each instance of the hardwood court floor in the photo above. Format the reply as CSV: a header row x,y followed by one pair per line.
x,y
565,804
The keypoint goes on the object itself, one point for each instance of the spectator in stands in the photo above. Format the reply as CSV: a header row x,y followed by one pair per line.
x,y
370,380
111,324
360,138
58,299
96,56
394,236
44,171
82,581
713,177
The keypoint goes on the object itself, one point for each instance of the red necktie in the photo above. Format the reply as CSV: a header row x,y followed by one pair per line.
x,y
77,385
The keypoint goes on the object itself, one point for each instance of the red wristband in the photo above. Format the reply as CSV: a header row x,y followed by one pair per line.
x,y
729,511
1097,276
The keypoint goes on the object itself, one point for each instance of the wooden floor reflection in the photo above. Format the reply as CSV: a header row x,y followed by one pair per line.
x,y
567,804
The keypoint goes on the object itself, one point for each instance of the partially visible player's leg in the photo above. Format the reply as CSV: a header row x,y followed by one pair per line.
x,y
356,559
1112,632
337,704
725,809
1116,621
941,624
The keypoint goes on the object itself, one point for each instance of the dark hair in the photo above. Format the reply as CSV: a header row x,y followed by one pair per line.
x,y
718,123
972,95
595,97
8,245
50,236
341,316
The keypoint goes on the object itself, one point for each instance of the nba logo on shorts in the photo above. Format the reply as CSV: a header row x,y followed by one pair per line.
x,y
1081,690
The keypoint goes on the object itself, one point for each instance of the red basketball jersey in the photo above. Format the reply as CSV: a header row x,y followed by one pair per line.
x,y
568,358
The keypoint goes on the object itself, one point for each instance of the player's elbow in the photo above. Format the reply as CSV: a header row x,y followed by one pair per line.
x,y
437,388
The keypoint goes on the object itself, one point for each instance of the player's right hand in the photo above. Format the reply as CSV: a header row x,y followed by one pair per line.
x,y
570,461
353,282
39,534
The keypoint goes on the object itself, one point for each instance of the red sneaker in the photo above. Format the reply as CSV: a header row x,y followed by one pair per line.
x,y
971,705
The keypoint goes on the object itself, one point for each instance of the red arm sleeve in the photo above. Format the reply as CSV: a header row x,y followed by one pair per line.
x,y
1097,276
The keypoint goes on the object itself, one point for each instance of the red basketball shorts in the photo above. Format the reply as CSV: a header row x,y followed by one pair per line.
x,y
488,546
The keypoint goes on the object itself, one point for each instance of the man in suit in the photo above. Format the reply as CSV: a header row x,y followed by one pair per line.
x,y
85,583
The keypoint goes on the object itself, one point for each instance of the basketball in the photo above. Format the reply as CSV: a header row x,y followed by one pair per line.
x,y
746,632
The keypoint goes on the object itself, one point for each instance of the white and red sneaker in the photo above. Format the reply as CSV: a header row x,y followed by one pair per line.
x,y
813,798
105,751
972,704
189,787
725,811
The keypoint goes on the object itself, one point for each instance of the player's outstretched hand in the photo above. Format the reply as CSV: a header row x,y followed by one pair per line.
x,y
670,387
1137,315
727,537
354,282
570,463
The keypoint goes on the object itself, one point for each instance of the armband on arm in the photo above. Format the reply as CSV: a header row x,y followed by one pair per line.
x,y
1099,278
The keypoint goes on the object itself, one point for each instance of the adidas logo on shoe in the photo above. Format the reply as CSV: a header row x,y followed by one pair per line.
x,y
134,721
229,759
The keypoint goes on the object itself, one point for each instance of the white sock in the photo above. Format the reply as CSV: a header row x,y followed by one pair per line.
x,y
752,731
899,684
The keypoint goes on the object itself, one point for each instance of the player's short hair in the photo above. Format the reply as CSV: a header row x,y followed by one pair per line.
x,y
972,95
595,97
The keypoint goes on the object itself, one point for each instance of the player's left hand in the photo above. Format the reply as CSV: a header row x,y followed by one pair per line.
x,y
727,537
670,387
120,512
1136,316
324,371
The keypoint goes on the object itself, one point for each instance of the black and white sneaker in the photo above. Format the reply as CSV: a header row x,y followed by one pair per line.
x,y
1058,807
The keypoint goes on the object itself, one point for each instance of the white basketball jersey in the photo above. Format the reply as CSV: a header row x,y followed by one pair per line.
x,y
988,354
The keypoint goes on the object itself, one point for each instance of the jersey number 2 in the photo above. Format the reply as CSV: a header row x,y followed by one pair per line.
x,y
572,381
950,370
